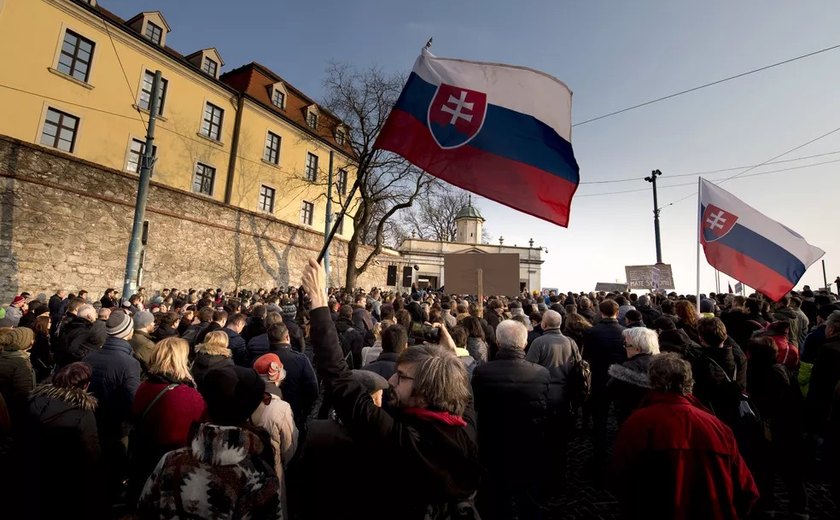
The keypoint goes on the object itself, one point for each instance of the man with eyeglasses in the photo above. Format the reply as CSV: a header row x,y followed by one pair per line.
x,y
425,444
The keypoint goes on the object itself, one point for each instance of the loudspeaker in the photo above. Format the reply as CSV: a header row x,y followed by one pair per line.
x,y
406,281
392,276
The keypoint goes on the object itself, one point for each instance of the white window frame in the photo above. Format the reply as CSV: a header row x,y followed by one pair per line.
x,y
162,104
204,61
341,181
60,45
218,138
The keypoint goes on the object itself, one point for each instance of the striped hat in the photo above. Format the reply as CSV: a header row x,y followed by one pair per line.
x,y
119,325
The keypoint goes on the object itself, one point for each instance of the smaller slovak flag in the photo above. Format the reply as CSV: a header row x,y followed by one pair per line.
x,y
749,246
501,131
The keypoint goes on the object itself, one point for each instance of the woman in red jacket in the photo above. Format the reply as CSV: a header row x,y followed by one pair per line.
x,y
165,407
674,460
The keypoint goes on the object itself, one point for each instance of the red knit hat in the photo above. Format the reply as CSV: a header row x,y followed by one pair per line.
x,y
269,365
18,299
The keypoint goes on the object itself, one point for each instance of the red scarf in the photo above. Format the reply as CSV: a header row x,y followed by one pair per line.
x,y
431,415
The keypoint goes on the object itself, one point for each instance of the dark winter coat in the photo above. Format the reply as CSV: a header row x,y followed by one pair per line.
x,y
206,360
385,365
41,357
512,400
629,384
673,460
193,331
649,315
676,341
824,378
253,327
64,460
300,388
16,381
352,340
164,332
76,339
604,347
711,386
256,347
143,346
212,327
739,326
296,339
435,458
116,376
238,348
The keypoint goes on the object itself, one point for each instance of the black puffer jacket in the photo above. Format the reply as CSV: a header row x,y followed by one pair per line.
x,y
512,400
604,347
628,384
77,338
713,370
64,462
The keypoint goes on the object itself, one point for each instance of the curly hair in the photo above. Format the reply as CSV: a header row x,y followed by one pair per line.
x,y
670,373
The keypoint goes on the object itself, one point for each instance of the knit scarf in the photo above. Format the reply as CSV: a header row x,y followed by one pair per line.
x,y
435,416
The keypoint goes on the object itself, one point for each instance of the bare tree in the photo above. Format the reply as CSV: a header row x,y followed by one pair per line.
x,y
387,182
433,217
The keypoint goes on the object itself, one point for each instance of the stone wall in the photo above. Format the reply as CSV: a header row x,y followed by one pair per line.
x,y
67,223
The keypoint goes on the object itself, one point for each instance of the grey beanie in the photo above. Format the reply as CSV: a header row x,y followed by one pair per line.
x,y
119,325
143,319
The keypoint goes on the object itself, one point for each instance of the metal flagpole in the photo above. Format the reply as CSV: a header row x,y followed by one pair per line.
x,y
328,219
699,230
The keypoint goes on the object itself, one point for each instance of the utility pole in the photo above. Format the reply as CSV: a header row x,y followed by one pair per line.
x,y
132,263
652,179
328,220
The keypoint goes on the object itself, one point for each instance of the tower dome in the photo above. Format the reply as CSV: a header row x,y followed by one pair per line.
x,y
468,224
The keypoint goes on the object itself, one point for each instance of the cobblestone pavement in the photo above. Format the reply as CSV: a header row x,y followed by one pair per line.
x,y
582,499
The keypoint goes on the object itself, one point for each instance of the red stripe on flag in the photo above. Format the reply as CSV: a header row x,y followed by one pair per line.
x,y
747,270
512,183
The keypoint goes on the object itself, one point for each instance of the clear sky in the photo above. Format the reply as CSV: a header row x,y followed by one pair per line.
x,y
612,55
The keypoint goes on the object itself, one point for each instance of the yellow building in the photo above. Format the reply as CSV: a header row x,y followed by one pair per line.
x,y
77,78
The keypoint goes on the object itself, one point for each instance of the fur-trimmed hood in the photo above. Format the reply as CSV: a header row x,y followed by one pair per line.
x,y
74,397
214,350
630,375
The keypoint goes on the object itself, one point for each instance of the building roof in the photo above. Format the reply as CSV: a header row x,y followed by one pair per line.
x,y
256,81
469,211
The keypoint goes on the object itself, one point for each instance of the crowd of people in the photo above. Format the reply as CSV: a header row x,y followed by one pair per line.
x,y
314,402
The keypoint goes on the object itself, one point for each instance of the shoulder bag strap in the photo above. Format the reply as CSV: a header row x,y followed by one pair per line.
x,y
155,400
728,379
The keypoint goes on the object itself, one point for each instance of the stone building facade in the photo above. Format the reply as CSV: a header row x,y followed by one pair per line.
x,y
67,222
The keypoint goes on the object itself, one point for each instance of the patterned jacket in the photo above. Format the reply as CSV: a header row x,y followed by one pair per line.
x,y
221,475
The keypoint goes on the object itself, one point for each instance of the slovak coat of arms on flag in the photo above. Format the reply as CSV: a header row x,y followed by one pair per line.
x,y
456,115
716,223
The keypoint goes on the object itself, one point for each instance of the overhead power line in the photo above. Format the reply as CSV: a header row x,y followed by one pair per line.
x,y
709,172
718,82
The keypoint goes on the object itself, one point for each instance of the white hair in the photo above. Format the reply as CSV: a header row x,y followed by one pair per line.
x,y
511,333
552,319
643,300
87,312
643,339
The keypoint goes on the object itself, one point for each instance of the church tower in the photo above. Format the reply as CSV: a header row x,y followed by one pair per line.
x,y
468,224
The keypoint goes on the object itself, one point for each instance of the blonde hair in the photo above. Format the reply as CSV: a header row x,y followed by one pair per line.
x,y
215,344
170,358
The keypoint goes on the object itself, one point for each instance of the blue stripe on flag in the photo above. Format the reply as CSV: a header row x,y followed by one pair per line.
x,y
506,133
763,250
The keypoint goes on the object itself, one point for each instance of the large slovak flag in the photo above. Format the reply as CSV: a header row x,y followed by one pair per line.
x,y
750,247
500,131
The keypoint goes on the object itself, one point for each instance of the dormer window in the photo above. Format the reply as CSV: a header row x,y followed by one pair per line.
x,y
153,33
340,137
312,120
207,61
209,66
150,25
278,98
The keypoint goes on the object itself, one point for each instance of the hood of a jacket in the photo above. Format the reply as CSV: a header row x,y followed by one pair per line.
x,y
224,445
68,397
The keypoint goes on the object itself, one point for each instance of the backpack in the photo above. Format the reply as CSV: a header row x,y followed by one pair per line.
x,y
578,380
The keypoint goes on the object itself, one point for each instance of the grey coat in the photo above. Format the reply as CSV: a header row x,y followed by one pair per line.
x,y
553,349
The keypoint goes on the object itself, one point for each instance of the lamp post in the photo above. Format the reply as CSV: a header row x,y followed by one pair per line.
x,y
652,179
